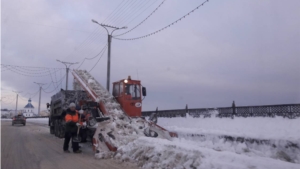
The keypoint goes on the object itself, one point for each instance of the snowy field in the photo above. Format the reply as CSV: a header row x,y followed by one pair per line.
x,y
256,127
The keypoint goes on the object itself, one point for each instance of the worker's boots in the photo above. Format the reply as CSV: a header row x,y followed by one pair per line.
x,y
77,151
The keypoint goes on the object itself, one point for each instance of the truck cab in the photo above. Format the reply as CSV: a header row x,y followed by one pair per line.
x,y
129,94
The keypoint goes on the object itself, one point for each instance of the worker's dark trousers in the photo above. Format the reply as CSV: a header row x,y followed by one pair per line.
x,y
68,137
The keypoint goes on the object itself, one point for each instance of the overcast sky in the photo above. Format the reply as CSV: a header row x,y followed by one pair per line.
x,y
247,51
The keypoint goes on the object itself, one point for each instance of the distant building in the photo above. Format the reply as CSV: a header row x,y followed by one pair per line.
x,y
29,109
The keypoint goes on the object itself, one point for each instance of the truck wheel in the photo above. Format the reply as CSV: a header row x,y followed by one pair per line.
x,y
56,128
60,129
12,124
51,129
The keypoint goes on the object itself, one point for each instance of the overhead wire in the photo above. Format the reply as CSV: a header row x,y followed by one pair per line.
x,y
30,66
90,37
131,10
10,101
53,89
92,57
115,16
60,77
114,10
142,20
55,86
139,14
26,74
98,60
171,24
120,12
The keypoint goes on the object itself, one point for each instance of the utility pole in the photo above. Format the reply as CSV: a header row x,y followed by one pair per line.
x,y
17,92
68,65
40,85
109,46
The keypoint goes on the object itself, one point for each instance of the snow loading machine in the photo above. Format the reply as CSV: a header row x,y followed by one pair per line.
x,y
111,120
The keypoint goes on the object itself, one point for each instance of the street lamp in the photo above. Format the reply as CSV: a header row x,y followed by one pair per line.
x,y
68,65
109,47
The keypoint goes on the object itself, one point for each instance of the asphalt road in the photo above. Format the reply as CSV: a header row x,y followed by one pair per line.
x,y
33,147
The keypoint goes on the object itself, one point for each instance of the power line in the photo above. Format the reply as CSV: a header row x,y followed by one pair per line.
x,y
32,73
132,10
98,60
31,94
145,9
114,14
54,88
30,66
142,20
27,75
114,10
59,81
97,30
10,101
137,12
120,12
171,24
92,57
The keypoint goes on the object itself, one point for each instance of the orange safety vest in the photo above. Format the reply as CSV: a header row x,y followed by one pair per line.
x,y
73,118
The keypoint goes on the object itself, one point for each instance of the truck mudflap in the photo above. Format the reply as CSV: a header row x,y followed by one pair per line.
x,y
120,130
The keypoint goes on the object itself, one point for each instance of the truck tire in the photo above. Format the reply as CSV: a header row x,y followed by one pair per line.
x,y
56,128
51,129
61,129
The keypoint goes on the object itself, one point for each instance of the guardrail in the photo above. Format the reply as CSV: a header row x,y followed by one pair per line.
x,y
284,110
37,117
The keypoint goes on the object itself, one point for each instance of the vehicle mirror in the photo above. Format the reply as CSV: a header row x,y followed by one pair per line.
x,y
48,105
144,91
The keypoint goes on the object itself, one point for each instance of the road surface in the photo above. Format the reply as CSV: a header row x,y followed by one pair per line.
x,y
32,147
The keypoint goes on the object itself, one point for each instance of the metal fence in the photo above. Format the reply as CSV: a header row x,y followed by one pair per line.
x,y
285,110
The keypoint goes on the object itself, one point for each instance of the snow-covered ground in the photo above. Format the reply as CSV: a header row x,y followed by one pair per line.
x,y
211,151
256,127
183,154
38,120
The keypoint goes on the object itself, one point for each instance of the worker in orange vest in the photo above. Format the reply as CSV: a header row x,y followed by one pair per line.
x,y
72,124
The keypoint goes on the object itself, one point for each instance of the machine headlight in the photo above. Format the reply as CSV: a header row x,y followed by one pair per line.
x,y
125,81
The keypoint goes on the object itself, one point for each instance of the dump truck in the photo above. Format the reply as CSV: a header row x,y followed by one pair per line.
x,y
111,120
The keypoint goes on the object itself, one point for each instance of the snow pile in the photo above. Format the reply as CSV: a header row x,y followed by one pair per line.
x,y
183,154
121,130
277,128
158,153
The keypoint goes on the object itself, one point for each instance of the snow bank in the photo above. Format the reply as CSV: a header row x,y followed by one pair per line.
x,y
183,154
256,127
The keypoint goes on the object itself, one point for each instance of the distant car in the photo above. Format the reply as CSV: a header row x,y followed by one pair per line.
x,y
19,119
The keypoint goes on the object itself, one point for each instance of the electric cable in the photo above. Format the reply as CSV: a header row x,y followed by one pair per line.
x,y
171,24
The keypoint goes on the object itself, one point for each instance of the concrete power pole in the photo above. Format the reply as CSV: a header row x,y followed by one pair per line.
x,y
109,46
40,85
68,65
17,92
